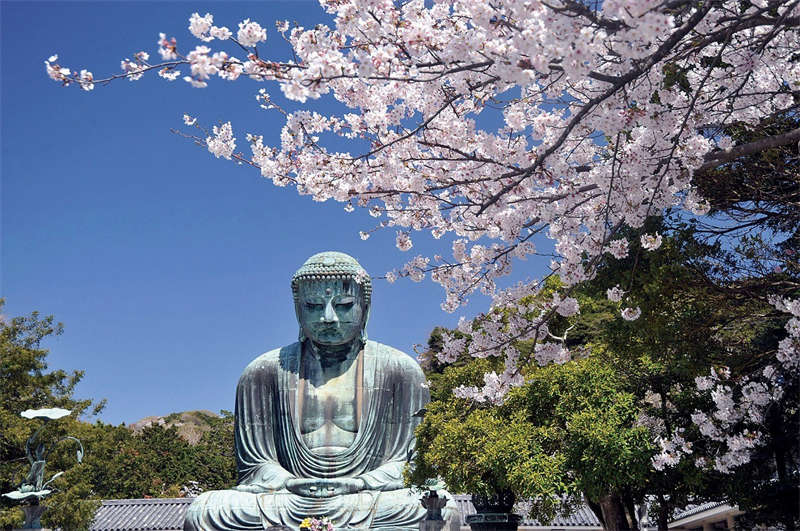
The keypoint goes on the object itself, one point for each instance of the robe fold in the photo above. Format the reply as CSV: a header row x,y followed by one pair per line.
x,y
270,449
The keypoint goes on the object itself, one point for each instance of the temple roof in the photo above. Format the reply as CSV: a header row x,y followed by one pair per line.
x,y
166,514
582,517
152,514
690,510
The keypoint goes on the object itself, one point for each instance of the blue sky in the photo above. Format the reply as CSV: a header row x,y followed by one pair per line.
x,y
169,268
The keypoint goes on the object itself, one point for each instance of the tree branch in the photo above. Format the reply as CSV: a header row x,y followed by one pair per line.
x,y
721,157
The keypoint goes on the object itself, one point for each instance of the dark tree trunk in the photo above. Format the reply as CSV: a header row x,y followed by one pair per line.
x,y
596,509
663,514
613,513
630,511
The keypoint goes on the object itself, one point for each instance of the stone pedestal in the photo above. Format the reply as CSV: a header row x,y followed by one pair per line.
x,y
32,515
433,520
440,525
494,521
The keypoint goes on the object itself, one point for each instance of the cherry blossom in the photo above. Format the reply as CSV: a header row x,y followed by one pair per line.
x,y
403,241
167,49
494,390
169,74
250,33
615,294
695,204
200,27
730,429
86,80
567,307
196,83
631,314
618,248
135,69
789,348
704,383
672,450
222,33
551,353
651,242
55,71
604,113
223,143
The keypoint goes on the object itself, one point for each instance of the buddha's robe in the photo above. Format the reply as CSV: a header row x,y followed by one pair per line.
x,y
270,449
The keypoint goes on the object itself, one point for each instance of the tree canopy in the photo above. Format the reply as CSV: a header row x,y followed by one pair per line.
x,y
627,423
117,463
493,123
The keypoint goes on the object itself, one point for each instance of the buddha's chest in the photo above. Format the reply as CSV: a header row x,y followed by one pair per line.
x,y
328,410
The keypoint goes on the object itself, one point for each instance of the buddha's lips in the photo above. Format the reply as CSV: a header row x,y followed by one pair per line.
x,y
327,327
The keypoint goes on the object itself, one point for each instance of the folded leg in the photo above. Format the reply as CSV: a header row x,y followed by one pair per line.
x,y
223,509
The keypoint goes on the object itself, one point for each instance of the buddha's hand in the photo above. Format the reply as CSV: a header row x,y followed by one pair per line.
x,y
324,488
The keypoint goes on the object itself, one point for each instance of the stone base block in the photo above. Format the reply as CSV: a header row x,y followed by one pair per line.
x,y
494,521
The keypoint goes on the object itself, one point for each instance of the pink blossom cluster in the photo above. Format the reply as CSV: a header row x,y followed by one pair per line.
x,y
203,28
493,392
56,72
631,314
672,448
789,348
651,242
134,69
222,144
615,294
730,428
515,316
605,112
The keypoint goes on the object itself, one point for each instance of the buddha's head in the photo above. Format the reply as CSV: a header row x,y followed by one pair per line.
x,y
332,294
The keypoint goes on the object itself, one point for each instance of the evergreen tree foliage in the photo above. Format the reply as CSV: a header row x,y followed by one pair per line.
x,y
587,427
26,383
117,464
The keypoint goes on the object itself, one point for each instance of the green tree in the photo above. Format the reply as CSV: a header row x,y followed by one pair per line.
x,y
158,462
26,383
215,457
570,430
117,463
487,450
702,310
605,413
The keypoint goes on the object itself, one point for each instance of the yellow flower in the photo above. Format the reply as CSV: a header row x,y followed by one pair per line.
x,y
305,524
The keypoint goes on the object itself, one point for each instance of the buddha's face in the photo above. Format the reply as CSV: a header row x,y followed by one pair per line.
x,y
331,312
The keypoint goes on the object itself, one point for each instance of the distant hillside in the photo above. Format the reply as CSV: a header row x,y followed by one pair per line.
x,y
191,425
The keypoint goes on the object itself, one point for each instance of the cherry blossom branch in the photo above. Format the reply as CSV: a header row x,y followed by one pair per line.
x,y
718,158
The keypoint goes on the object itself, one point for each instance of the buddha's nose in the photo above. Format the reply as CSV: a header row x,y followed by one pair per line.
x,y
330,313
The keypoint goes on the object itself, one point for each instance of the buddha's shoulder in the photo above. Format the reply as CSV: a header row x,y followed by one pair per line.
x,y
393,356
272,359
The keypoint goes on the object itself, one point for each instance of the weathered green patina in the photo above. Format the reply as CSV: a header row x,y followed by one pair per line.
x,y
33,488
325,426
